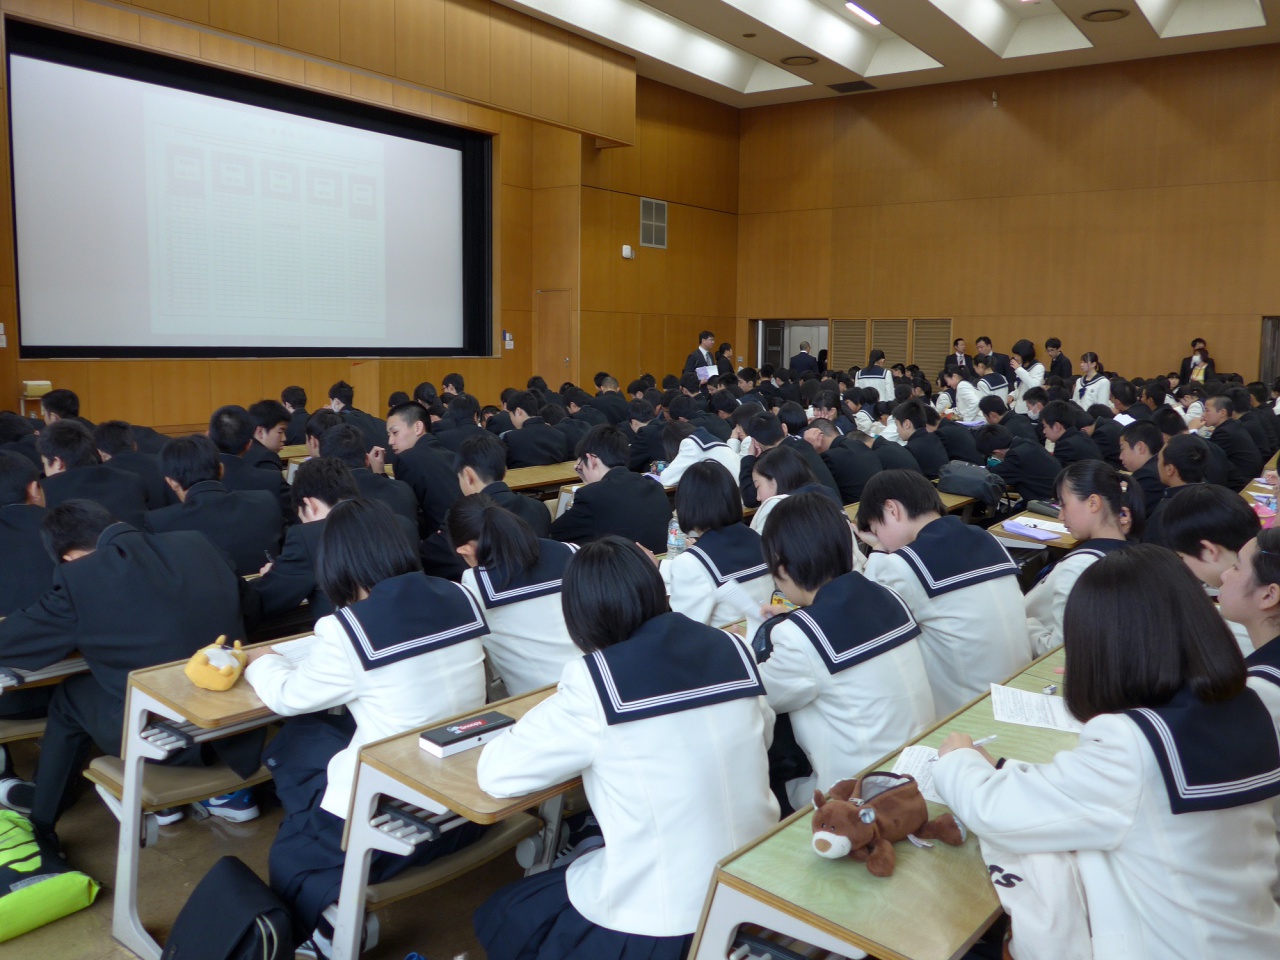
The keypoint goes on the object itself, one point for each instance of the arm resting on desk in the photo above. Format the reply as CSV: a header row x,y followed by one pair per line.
x,y
554,741
43,633
321,680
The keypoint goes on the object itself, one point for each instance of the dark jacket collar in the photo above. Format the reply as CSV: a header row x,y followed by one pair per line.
x,y
1265,662
205,489
734,552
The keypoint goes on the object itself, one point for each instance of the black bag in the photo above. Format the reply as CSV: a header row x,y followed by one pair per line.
x,y
231,915
969,480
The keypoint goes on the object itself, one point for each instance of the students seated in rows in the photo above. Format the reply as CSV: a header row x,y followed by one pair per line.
x,y
1069,444
1028,374
28,567
399,650
516,578
848,665
1170,729
463,420
244,524
1250,598
684,445
661,707
117,447
123,599
958,581
294,399
850,460
957,439
270,426
62,404
231,430
1099,425
72,472
1260,410
875,377
1243,414
924,446
1028,468
1093,504
766,431
613,500
776,474
481,464
341,399
997,414
966,395
344,442
421,463
532,442
1244,459
1093,385
1207,526
1140,444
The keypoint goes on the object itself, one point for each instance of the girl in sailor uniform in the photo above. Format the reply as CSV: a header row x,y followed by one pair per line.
x,y
400,651
1092,505
777,474
722,577
1167,801
664,719
1028,372
516,578
856,403
686,445
958,581
1092,387
1191,405
875,377
846,665
990,383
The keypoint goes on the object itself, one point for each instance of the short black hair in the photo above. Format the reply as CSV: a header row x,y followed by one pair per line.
x,y
326,479
1100,411
69,441
17,473
533,383
610,590
114,437
454,380
1154,391
1138,627
991,438
267,413
748,374
607,443
809,537
992,404
344,442
1206,511
637,386
189,460
14,427
410,413
916,494
1260,392
674,434
910,412
1034,395
724,401
525,400
690,382
1053,343
362,545
708,498
1188,455
295,397
1221,403
1025,350
785,467
322,420
506,545
425,393
1058,412
1169,422
791,415
396,398
464,407
765,429
704,335
61,403
1144,432
485,454
641,410
681,408
1239,397
343,392
73,525
231,429
1123,393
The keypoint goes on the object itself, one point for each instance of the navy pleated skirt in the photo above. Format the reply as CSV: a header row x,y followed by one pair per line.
x,y
532,919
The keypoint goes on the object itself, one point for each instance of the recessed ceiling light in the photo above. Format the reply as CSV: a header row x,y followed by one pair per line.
x,y
1105,16
863,14
800,61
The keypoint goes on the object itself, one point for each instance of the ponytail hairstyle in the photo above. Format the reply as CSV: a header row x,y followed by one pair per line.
x,y
506,545
1092,357
1087,478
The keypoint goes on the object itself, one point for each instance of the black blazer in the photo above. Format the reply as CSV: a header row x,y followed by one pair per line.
x,y
928,452
396,494
574,430
121,492
802,363
647,446
852,464
1029,469
532,512
238,475
591,415
1106,437
452,439
296,432
1020,425
28,569
259,456
25,447
966,367
1147,479
622,503
1059,366
958,441
148,440
724,366
820,470
1244,459
148,468
138,600
1184,372
894,456
1139,411
536,444
713,424
244,524
1074,446
1257,426
499,423
613,405
428,470
373,428
695,360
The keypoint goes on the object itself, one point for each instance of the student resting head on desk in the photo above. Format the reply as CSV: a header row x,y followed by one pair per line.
x,y
1164,812
662,717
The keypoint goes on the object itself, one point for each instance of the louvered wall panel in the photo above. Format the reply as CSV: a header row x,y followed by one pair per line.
x,y
930,343
891,337
847,344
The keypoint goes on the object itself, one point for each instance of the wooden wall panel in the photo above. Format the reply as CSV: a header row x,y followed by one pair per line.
x,y
549,62
311,26
366,34
785,264
510,62
467,53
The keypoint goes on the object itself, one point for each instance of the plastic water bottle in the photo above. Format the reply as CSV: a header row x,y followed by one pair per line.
x,y
675,538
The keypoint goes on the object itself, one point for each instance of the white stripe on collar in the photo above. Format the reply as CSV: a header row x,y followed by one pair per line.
x,y
1188,791
861,649
430,640
621,706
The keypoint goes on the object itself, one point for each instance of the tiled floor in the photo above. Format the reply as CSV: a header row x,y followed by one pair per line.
x,y
436,924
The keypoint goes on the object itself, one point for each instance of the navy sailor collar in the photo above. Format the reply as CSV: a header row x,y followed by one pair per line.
x,y
948,555
543,578
1213,756
409,615
995,381
1264,662
671,664
735,552
1097,547
851,620
705,439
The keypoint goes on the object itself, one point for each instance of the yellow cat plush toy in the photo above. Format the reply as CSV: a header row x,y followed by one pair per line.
x,y
216,667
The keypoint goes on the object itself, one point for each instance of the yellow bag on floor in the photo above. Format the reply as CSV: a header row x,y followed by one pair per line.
x,y
36,886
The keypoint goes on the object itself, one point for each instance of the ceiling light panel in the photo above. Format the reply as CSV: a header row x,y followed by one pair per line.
x,y
1188,18
839,34
1011,28
634,26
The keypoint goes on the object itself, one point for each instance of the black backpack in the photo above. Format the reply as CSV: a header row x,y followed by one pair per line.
x,y
231,915
969,480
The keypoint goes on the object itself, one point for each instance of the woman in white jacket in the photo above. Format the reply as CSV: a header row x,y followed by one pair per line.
x,y
1093,386
661,715
1028,372
401,650
1166,804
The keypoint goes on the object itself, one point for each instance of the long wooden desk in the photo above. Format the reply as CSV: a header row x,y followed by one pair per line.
x,y
953,502
548,477
936,904
1065,542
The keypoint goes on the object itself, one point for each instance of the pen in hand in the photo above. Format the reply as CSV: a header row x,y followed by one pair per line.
x,y
977,743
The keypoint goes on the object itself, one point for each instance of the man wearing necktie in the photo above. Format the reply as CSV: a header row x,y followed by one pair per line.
x,y
702,357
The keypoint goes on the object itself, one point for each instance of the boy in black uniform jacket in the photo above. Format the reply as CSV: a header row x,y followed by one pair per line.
x,y
957,439
118,447
997,414
72,471
646,429
1140,445
341,396
1244,459
28,567
295,401
850,461
766,431
1024,465
464,411
532,442
481,464
1069,444
344,442
422,463
921,444
231,430
270,426
1099,424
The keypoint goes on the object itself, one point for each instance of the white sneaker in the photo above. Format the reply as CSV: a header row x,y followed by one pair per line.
x,y
17,794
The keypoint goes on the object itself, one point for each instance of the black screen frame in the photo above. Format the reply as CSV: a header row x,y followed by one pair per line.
x,y
476,148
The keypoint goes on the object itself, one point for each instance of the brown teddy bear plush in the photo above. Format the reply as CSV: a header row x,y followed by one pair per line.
x,y
865,817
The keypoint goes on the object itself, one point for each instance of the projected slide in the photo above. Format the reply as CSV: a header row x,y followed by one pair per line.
x,y
162,219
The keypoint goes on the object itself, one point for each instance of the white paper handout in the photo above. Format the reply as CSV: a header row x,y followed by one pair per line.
x,y
917,761
1032,709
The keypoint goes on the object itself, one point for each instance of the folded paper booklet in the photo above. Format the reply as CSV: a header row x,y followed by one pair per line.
x,y
445,741
1031,533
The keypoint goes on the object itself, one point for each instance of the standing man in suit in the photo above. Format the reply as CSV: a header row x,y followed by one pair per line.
x,y
614,500
231,430
999,361
958,358
533,442
702,357
1059,362
72,472
295,401
802,362
482,464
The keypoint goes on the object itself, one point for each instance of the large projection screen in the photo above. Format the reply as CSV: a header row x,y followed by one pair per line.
x,y
164,208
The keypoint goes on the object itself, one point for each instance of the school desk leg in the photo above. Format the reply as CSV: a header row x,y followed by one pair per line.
x,y
730,908
552,813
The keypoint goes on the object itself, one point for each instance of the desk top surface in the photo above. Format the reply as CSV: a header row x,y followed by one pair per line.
x,y
1066,542
551,475
883,916
452,780
952,501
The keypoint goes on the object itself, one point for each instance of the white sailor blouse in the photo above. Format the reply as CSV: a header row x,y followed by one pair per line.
x,y
721,579
698,446
1089,392
1046,601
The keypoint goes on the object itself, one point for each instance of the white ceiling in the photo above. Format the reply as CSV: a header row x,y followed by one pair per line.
x,y
699,45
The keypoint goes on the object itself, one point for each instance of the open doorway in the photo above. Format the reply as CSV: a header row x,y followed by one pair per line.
x,y
1269,356
779,340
